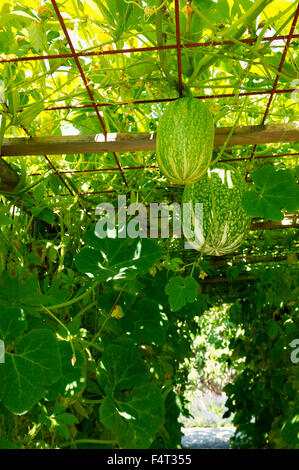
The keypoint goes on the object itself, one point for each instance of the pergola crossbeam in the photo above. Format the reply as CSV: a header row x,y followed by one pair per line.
x,y
130,142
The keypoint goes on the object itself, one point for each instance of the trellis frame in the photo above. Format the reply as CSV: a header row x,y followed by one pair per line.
x,y
178,47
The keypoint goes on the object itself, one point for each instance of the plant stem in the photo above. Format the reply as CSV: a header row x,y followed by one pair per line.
x,y
161,53
108,316
87,441
75,299
63,326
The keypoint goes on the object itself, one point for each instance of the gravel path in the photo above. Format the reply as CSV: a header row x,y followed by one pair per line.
x,y
207,438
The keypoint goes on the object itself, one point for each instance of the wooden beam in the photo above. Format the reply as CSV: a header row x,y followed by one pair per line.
x,y
119,142
274,225
235,259
249,260
224,280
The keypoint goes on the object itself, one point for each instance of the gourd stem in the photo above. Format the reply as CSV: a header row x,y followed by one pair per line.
x,y
161,53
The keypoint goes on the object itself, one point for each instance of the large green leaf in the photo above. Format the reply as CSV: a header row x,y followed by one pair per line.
x,y
180,291
136,421
72,381
12,323
144,322
273,189
25,374
172,424
123,366
114,258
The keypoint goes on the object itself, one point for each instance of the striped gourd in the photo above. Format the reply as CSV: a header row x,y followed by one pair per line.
x,y
225,223
185,139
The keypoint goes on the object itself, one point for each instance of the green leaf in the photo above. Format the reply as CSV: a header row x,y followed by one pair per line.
x,y
5,444
12,323
144,323
136,421
6,39
54,183
34,365
273,189
47,215
273,329
32,258
114,258
290,430
5,220
180,291
26,117
141,69
125,369
172,423
37,35
72,381
67,418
